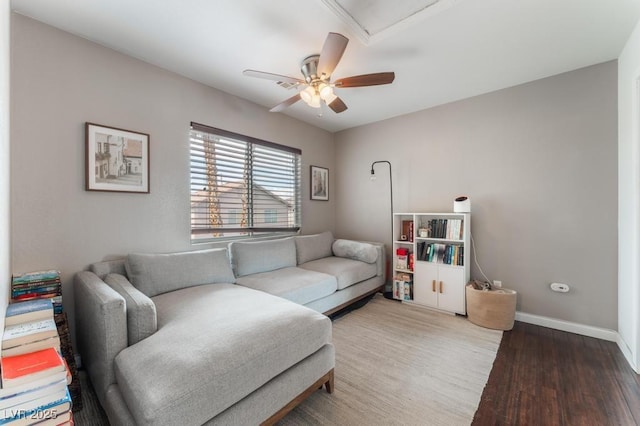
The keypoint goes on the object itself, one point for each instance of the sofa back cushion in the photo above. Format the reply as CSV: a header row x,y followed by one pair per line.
x,y
155,274
262,256
102,269
313,247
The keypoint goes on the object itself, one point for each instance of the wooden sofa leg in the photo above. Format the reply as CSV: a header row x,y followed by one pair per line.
x,y
326,380
329,383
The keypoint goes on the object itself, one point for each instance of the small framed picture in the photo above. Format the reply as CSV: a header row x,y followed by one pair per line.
x,y
319,183
116,159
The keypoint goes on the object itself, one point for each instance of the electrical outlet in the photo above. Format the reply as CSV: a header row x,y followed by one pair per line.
x,y
497,283
559,287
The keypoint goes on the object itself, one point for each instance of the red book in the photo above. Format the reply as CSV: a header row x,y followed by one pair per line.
x,y
24,368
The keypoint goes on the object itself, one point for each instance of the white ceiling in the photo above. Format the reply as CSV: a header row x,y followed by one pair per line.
x,y
468,48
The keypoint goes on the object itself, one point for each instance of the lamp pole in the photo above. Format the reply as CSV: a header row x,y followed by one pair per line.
x,y
373,176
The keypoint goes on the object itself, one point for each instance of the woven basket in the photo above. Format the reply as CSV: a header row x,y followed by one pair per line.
x,y
494,309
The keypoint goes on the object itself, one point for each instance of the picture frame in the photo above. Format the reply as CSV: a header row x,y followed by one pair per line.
x,y
319,183
116,160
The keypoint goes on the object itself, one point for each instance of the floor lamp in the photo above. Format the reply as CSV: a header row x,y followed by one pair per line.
x,y
387,294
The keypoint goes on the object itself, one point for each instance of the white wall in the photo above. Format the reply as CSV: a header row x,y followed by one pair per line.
x,y
5,232
629,199
539,164
58,83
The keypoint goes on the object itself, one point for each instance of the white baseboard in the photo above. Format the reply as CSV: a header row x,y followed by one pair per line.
x,y
626,351
571,327
584,330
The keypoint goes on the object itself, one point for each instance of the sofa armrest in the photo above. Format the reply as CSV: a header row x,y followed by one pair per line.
x,y
380,261
142,320
101,328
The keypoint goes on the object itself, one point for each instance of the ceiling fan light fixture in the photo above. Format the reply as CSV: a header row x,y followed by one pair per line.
x,y
326,91
315,101
311,96
307,94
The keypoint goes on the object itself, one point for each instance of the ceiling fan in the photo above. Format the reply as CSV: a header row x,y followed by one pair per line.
x,y
317,70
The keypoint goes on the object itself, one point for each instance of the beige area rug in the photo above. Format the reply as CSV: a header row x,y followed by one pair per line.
x,y
398,364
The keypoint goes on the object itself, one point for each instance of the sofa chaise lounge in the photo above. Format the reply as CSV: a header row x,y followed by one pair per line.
x,y
200,338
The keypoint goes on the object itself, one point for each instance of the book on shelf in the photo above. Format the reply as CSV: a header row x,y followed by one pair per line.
x,y
404,277
38,345
34,295
34,384
398,290
34,284
407,230
60,419
44,411
36,291
57,304
33,394
29,277
25,368
407,290
19,334
38,285
402,286
448,229
450,254
31,310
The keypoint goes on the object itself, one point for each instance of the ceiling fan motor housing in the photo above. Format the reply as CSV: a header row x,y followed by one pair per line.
x,y
309,68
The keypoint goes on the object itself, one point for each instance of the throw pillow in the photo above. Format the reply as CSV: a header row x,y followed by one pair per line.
x,y
356,250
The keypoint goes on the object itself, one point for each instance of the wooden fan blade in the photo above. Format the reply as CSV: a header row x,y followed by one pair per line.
x,y
331,53
270,76
285,104
338,106
366,80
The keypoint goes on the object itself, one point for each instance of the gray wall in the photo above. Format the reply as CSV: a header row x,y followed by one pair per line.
x,y
537,160
59,82
539,163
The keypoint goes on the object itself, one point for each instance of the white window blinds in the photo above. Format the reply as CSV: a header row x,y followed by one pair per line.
x,y
242,186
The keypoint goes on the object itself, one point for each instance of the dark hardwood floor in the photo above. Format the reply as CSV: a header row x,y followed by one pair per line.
x,y
548,377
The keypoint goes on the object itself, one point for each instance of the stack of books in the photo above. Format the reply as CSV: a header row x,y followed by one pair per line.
x,y
403,287
38,285
34,375
29,327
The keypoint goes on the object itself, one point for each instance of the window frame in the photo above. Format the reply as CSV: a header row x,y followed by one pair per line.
x,y
251,231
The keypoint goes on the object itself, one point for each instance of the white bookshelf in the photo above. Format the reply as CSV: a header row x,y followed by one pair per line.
x,y
438,274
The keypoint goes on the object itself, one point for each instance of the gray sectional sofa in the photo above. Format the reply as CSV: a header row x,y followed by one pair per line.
x,y
218,336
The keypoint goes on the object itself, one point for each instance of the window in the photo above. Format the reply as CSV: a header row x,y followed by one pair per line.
x,y
242,186
271,216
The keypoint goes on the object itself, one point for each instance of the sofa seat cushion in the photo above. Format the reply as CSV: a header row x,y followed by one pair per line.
x,y
298,285
215,345
346,271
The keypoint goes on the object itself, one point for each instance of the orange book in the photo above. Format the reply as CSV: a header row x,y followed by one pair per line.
x,y
24,368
